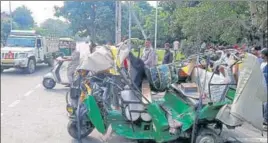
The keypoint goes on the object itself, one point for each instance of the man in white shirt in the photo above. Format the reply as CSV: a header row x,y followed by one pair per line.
x,y
149,56
176,44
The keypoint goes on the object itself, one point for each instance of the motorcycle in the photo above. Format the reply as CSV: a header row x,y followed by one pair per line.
x,y
57,75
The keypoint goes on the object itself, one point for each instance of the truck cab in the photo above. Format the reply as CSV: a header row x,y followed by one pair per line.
x,y
24,49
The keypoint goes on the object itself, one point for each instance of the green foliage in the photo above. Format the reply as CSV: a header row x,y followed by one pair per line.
x,y
5,29
160,54
23,17
5,26
212,21
97,19
94,18
218,22
54,28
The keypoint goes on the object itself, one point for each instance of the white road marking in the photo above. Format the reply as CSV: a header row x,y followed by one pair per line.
x,y
29,93
37,86
14,103
2,114
259,140
2,102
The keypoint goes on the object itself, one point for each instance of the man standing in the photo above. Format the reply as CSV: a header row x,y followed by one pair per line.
x,y
168,57
74,63
176,46
149,56
92,47
203,46
256,51
264,68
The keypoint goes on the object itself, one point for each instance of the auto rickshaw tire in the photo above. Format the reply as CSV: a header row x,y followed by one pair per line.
x,y
72,130
205,134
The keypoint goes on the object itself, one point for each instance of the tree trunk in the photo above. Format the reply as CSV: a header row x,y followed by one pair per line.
x,y
93,26
253,12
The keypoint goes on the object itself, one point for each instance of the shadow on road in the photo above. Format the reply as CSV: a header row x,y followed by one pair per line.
x,y
60,91
40,69
88,139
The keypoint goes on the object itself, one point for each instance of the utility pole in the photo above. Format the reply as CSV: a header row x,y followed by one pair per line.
x,y
155,28
118,18
11,17
129,24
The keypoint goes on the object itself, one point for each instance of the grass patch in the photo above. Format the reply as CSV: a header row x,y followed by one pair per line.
x,y
161,53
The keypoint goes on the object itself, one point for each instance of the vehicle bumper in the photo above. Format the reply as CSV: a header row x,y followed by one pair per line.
x,y
17,63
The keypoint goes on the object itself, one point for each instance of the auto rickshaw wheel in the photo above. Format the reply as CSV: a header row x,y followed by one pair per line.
x,y
207,135
86,129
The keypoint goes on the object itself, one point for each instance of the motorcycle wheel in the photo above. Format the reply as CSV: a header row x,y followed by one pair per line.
x,y
49,83
86,129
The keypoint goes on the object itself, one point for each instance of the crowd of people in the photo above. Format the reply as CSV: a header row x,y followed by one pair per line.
x,y
149,59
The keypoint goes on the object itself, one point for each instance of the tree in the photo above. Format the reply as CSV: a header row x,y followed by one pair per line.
x,y
90,18
142,10
54,27
5,26
217,22
23,17
257,27
97,19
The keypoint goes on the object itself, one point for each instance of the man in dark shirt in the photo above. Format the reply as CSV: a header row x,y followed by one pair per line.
x,y
264,68
168,57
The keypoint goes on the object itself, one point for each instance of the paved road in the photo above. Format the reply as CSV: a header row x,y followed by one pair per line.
x,y
31,114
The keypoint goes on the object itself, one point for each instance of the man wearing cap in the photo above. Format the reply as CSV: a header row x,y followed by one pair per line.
x,y
74,63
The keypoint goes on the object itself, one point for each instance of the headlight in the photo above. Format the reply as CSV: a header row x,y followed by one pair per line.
x,y
22,55
70,109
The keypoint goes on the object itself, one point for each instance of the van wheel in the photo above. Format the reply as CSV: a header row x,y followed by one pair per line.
x,y
31,66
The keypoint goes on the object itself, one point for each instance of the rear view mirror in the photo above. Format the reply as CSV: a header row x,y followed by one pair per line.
x,y
38,44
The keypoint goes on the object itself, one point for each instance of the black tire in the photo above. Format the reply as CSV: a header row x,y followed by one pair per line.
x,y
85,130
49,83
208,135
31,66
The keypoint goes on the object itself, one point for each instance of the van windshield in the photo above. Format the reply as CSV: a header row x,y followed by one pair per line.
x,y
20,42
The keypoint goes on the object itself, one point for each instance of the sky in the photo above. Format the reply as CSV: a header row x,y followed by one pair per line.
x,y
41,10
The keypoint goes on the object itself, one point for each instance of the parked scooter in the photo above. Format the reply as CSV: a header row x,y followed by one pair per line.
x,y
57,75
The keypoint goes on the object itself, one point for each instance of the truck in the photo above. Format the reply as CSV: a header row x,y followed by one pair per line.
x,y
24,49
